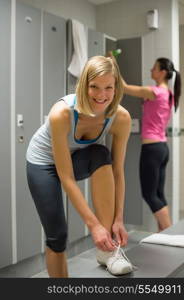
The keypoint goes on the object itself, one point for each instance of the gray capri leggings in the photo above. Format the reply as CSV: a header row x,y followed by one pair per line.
x,y
45,188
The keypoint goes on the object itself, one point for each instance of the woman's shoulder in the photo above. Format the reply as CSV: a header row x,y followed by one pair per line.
x,y
122,114
159,90
60,111
122,118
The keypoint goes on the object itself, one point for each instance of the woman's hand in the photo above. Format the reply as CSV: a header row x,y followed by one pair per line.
x,y
120,233
102,238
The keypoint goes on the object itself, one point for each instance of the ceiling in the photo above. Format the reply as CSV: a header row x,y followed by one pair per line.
x,y
98,2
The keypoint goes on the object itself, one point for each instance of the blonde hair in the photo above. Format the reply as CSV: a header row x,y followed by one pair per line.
x,y
98,66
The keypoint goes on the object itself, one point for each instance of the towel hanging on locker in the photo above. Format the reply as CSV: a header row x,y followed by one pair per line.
x,y
80,56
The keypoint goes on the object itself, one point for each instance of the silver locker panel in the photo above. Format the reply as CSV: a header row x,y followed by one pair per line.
x,y
110,45
54,60
5,149
28,26
95,43
76,227
133,210
71,80
130,63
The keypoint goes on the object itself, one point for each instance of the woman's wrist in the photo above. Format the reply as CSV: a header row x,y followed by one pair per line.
x,y
118,218
91,223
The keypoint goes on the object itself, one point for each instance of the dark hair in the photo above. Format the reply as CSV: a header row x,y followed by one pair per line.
x,y
167,65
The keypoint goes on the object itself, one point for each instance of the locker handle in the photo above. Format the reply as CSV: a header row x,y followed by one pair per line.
x,y
54,28
21,139
28,19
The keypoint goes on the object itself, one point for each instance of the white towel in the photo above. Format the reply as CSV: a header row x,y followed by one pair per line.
x,y
165,239
80,56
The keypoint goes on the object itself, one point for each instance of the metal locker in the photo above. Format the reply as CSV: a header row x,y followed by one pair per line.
x,y
96,43
28,37
5,133
130,63
54,60
76,226
54,63
110,44
70,79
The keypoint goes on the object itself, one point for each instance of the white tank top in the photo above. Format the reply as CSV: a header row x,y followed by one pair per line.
x,y
40,147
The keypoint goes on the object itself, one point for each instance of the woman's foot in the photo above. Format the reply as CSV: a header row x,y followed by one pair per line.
x,y
116,261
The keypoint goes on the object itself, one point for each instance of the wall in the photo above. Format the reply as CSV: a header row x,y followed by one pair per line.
x,y
118,18
80,10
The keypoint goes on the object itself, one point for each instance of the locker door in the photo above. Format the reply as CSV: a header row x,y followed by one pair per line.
x,y
96,43
5,149
54,63
54,60
28,26
71,80
76,226
130,63
110,44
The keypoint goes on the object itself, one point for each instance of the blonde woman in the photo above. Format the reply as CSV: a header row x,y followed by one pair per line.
x,y
70,146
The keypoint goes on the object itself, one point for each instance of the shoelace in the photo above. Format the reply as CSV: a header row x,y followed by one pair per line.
x,y
119,253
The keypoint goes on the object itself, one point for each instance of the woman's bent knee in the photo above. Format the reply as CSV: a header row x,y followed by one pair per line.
x,y
58,243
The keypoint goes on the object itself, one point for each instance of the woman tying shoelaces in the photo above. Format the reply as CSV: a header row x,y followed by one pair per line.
x,y
71,146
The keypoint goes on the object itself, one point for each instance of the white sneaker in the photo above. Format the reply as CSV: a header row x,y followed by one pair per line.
x,y
117,263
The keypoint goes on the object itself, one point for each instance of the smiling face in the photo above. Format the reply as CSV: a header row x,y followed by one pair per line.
x,y
101,92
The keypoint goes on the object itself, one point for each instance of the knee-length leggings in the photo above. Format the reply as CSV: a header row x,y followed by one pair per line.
x,y
45,188
153,161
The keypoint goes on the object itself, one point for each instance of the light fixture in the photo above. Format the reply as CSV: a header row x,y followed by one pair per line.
x,y
152,18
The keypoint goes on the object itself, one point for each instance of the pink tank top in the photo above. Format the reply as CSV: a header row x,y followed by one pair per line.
x,y
156,114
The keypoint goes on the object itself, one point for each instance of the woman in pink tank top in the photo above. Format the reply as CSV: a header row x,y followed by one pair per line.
x,y
157,108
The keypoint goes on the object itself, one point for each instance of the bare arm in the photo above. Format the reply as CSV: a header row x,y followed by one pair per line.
x,y
121,132
60,126
144,92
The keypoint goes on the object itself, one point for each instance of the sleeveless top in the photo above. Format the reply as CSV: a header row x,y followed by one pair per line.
x,y
40,147
156,114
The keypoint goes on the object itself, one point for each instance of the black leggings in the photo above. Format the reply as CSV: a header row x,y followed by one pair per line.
x,y
153,160
45,188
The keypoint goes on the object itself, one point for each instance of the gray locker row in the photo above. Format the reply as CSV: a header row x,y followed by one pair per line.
x,y
36,48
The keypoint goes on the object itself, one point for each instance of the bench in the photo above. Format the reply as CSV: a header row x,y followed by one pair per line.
x,y
153,260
